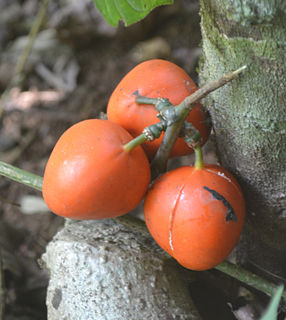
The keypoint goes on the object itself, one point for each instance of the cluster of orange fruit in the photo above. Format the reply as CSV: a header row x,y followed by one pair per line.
x,y
194,213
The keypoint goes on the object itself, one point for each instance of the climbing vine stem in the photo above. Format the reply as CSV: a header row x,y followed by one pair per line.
x,y
249,278
21,176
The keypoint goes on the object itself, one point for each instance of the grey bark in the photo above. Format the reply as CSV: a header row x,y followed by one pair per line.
x,y
104,270
249,115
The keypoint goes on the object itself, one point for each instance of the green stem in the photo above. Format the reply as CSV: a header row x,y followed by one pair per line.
x,y
249,278
134,143
21,176
160,161
32,37
199,163
17,77
149,134
160,104
146,100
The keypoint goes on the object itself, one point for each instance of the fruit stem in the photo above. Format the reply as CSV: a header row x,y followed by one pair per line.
x,y
160,161
161,104
191,135
21,176
148,134
199,162
129,146
146,100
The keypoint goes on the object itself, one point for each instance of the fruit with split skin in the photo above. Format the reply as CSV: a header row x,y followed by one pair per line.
x,y
154,79
90,175
196,214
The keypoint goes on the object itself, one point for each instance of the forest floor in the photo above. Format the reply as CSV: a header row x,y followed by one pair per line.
x,y
76,62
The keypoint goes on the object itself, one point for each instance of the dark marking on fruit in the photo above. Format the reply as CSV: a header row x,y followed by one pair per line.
x,y
230,214
136,93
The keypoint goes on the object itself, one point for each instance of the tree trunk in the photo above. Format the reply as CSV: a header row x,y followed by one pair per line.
x,y
249,115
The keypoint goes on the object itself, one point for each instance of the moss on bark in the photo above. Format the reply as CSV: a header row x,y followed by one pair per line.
x,y
249,114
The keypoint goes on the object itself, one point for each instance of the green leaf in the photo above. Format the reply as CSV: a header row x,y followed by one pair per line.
x,y
271,312
130,11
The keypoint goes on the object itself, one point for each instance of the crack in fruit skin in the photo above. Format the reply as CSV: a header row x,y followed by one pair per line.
x,y
230,214
173,212
222,175
172,216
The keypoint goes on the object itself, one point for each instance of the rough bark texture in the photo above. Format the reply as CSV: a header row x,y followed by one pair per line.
x,y
105,270
249,115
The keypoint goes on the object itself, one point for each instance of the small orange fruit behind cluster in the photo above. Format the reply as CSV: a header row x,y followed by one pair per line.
x,y
154,78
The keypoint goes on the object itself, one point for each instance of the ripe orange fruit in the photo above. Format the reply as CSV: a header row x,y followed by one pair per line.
x,y
90,176
154,79
196,215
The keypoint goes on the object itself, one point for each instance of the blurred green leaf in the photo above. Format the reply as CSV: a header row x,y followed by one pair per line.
x,y
130,11
271,312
